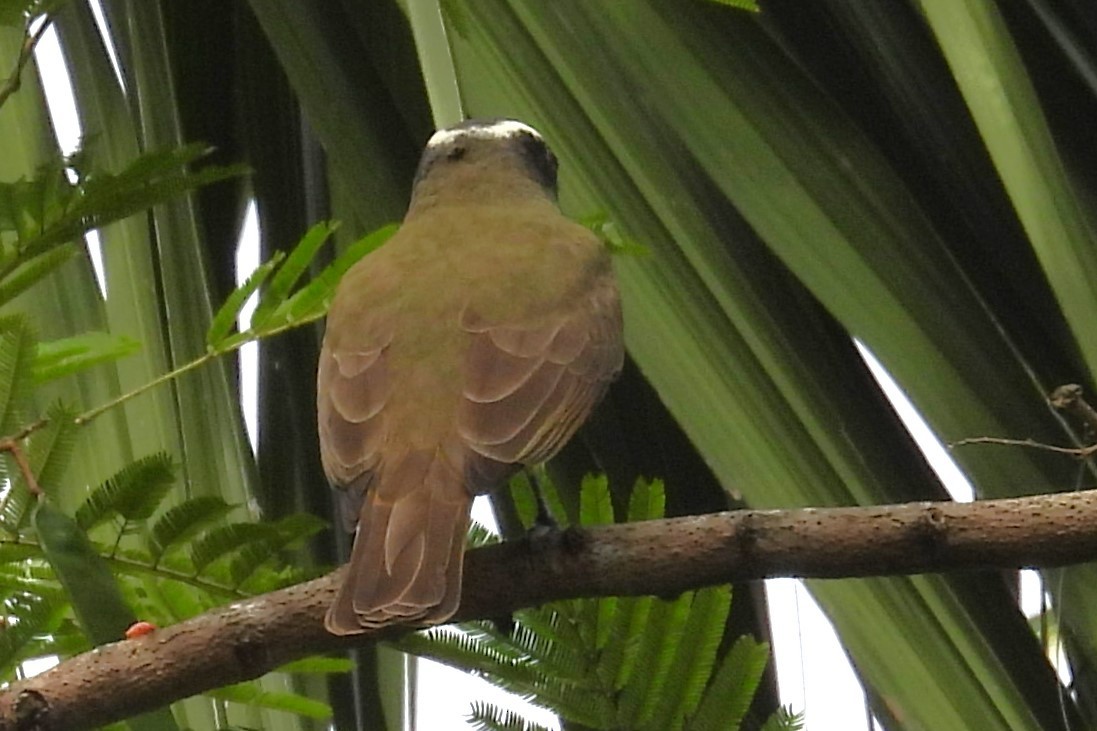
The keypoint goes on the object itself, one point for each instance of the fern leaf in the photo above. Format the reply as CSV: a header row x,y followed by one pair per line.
x,y
288,531
134,492
64,357
730,692
291,271
622,639
784,720
184,521
525,504
17,354
14,508
18,553
312,300
64,641
173,600
480,536
693,659
647,501
33,270
664,632
26,618
595,502
224,540
458,648
252,544
16,579
486,717
67,211
227,314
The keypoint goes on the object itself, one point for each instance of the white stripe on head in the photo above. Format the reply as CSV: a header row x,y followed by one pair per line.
x,y
498,130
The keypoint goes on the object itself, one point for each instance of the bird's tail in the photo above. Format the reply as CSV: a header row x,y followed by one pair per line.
x,y
405,567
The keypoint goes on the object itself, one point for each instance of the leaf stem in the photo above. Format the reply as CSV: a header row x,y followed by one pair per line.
x,y
91,414
229,345
133,567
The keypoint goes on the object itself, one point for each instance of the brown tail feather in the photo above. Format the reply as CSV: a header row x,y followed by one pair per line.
x,y
406,563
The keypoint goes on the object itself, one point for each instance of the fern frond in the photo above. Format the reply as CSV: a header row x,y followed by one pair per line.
x,y
566,661
14,509
66,640
460,649
595,501
66,356
184,521
26,617
67,211
34,269
647,501
729,694
13,552
288,531
693,658
784,720
20,580
608,663
312,300
664,631
228,313
169,600
291,271
480,536
224,540
486,717
134,492
18,349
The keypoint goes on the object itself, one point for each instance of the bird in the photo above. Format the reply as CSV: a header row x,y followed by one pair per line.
x,y
472,344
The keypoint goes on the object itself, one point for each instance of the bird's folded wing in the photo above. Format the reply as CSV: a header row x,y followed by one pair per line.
x,y
352,389
529,386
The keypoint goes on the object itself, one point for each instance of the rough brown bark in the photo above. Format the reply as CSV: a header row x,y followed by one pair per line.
x,y
248,638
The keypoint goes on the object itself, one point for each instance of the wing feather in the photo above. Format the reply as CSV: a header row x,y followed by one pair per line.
x,y
528,388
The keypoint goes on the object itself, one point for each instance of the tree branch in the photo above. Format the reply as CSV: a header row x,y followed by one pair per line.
x,y
249,638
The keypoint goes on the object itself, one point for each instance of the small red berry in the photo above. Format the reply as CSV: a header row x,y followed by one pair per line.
x,y
139,629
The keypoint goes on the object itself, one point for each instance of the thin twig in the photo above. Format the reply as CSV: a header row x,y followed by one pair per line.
x,y
1078,452
14,444
26,52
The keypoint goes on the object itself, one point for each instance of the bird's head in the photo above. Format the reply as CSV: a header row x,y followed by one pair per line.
x,y
484,160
